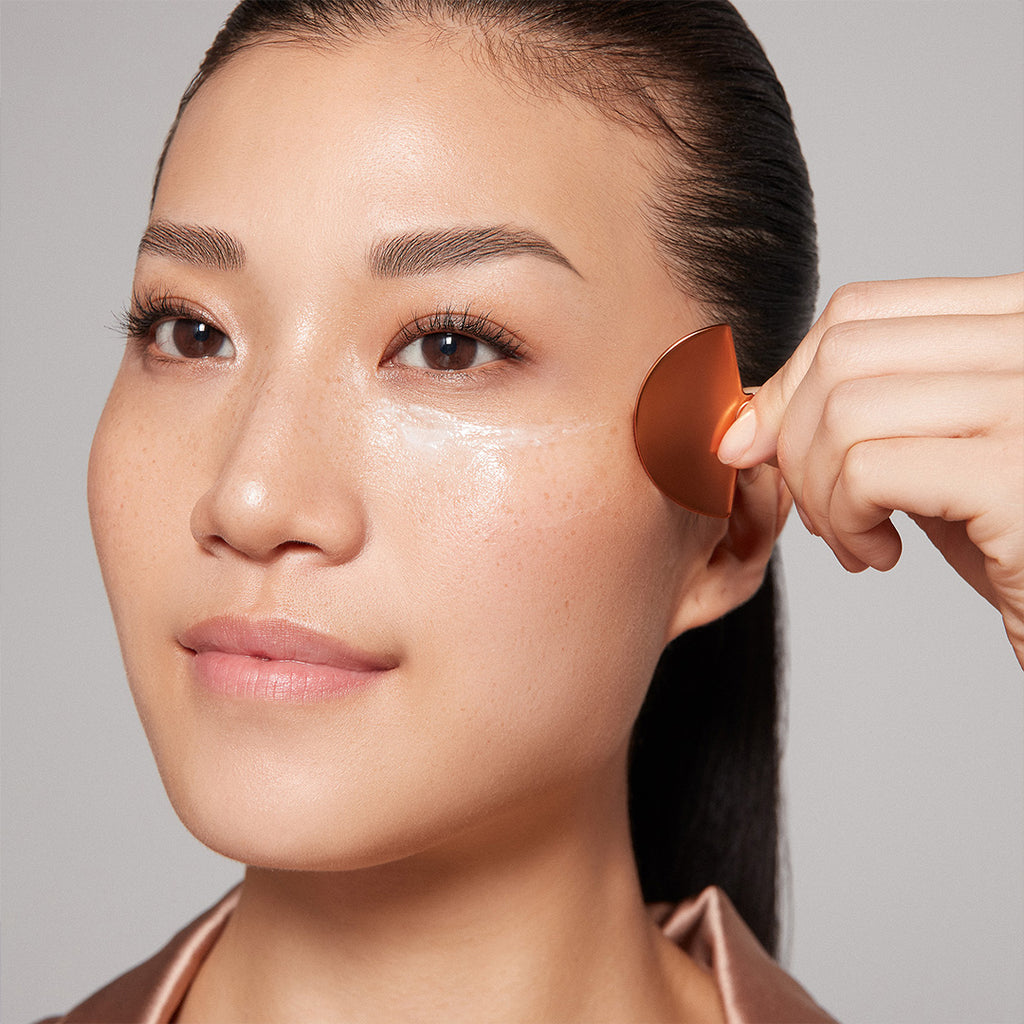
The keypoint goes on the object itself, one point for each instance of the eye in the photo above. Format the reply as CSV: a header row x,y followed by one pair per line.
x,y
447,350
181,338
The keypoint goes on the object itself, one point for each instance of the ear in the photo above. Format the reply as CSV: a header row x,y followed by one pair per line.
x,y
735,558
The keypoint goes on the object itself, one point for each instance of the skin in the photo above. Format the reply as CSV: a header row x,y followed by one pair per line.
x,y
907,395
456,836
455,840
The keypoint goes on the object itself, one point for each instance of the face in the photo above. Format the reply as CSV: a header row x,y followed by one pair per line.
x,y
385,567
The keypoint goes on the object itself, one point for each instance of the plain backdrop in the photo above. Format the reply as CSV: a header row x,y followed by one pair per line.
x,y
904,775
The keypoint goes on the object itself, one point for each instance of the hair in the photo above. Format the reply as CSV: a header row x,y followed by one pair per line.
x,y
733,222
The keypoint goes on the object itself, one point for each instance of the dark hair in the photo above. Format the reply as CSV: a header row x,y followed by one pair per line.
x,y
733,220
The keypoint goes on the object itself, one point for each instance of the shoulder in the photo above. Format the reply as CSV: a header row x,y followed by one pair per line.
x,y
152,991
753,987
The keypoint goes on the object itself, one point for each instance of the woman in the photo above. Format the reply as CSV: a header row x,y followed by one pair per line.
x,y
514,480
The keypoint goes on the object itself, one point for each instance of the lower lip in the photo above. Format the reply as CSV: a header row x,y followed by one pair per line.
x,y
240,675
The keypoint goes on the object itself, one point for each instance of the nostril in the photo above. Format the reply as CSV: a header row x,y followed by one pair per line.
x,y
216,544
288,545
264,508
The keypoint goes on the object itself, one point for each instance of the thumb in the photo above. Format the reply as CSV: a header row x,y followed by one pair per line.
x,y
754,435
753,438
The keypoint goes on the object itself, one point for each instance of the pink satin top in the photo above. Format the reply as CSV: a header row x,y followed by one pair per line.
x,y
754,989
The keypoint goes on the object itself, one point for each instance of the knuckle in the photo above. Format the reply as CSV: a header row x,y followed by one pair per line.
x,y
858,469
838,408
854,301
837,352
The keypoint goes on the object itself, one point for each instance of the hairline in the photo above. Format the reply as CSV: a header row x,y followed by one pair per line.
x,y
518,60
546,74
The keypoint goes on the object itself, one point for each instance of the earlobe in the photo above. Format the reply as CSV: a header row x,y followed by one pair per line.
x,y
734,566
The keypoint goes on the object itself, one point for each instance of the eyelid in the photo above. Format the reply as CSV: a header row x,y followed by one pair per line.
x,y
455,321
148,309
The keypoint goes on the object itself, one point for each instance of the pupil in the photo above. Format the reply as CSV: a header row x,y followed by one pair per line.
x,y
195,339
449,351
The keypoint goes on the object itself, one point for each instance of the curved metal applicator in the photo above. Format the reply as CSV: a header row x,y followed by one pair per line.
x,y
687,401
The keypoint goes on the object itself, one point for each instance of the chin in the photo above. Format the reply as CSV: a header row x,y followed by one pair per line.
x,y
287,839
298,823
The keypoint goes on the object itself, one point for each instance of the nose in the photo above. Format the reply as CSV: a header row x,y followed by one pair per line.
x,y
283,485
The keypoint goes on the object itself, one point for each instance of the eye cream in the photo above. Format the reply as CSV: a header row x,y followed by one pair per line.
x,y
481,467
425,429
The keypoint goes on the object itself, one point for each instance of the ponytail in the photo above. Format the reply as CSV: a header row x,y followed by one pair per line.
x,y
704,766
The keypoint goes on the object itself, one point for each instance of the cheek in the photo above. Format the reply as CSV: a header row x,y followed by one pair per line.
x,y
541,566
139,509
121,489
526,575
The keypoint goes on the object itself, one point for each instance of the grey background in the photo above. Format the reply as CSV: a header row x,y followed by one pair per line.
x,y
904,769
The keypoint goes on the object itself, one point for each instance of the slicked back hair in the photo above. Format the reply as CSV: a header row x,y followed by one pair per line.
x,y
732,218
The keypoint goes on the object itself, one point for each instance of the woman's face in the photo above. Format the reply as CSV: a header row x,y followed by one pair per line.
x,y
333,451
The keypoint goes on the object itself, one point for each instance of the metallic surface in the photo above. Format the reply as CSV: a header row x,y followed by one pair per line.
x,y
686,403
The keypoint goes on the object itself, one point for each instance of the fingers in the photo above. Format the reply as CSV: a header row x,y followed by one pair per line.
x,y
925,476
889,371
844,327
906,395
966,492
972,565
911,347
894,406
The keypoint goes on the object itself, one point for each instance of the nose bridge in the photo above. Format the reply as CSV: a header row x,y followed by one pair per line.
x,y
283,419
287,480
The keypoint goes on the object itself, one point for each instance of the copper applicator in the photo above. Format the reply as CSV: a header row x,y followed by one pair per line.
x,y
688,400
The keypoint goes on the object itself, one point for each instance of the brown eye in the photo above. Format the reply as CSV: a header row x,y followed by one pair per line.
x,y
191,339
446,350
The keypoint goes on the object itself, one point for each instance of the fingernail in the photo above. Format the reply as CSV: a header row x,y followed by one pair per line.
x,y
739,437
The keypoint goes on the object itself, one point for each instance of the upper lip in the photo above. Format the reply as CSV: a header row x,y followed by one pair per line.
x,y
278,640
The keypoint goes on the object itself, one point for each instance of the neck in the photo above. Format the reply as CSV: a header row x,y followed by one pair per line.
x,y
541,923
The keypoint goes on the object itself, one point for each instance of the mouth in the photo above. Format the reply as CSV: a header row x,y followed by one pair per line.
x,y
276,660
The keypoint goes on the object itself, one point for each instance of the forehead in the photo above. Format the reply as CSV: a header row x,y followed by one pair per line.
x,y
399,132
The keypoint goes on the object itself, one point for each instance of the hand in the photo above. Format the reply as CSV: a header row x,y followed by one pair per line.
x,y
906,395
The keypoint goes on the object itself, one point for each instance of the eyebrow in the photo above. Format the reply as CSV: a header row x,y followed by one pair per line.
x,y
420,252
190,243
424,252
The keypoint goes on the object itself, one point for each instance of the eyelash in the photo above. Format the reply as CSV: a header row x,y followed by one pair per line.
x,y
145,312
465,321
137,320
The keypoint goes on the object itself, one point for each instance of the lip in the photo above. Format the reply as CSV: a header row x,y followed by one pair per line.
x,y
276,660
